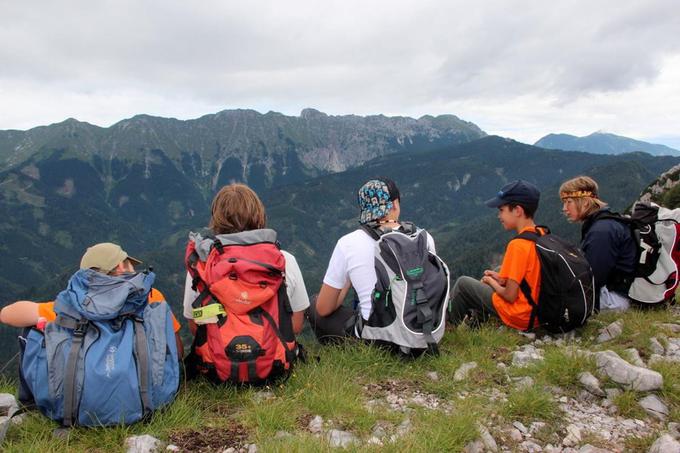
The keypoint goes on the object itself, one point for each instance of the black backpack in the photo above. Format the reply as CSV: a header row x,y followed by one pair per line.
x,y
567,295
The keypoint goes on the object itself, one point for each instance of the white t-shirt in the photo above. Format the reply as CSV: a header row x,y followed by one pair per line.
x,y
295,287
353,261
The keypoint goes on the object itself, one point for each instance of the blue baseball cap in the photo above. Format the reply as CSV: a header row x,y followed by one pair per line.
x,y
517,192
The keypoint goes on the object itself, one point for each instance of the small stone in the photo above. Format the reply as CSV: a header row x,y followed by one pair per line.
x,y
665,444
404,427
524,382
520,426
655,358
573,436
613,409
622,372
674,430
142,444
526,355
656,347
653,405
229,450
563,399
501,366
252,448
433,375
550,448
536,426
263,395
172,447
61,433
315,425
612,393
528,335
474,447
590,383
342,439
633,356
675,328
610,332
374,441
462,372
487,439
531,447
587,448
8,404
515,435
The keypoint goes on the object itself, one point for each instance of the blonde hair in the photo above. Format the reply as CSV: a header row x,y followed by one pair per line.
x,y
236,208
585,193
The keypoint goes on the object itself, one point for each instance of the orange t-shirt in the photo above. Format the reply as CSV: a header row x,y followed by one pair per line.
x,y
519,263
46,309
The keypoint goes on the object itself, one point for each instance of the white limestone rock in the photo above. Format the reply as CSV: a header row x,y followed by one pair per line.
x,y
631,376
610,332
143,444
462,372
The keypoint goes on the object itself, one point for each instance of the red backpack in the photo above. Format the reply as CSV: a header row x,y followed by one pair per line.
x,y
241,286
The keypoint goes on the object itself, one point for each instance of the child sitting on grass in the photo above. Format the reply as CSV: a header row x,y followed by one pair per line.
x,y
498,294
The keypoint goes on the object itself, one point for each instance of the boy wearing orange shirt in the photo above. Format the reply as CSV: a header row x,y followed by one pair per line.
x,y
498,293
107,258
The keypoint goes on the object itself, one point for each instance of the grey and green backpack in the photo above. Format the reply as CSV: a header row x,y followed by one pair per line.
x,y
411,294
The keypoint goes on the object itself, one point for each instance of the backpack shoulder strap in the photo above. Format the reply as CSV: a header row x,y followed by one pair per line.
x,y
524,285
373,230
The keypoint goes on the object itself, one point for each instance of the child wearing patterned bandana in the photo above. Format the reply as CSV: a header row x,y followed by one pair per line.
x,y
607,244
352,264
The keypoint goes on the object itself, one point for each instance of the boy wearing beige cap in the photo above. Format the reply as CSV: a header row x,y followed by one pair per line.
x,y
105,257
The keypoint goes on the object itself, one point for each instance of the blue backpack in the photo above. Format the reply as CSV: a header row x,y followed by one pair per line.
x,y
109,358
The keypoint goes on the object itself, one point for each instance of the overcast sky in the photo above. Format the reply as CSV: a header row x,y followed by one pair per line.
x,y
517,69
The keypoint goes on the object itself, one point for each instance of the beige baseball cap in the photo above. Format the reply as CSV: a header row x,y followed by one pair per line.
x,y
105,256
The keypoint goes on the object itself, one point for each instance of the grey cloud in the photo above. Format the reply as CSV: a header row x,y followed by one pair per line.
x,y
351,56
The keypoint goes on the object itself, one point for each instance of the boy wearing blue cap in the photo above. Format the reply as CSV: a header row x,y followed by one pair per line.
x,y
498,293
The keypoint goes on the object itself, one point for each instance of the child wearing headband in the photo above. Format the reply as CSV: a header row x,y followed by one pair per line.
x,y
607,243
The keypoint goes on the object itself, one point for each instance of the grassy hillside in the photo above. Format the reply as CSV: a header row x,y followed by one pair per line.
x,y
358,388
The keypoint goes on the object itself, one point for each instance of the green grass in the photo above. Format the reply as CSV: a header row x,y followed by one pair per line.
x,y
559,367
627,402
530,404
335,384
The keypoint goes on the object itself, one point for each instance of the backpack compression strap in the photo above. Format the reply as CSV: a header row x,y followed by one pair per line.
x,y
425,317
524,285
79,328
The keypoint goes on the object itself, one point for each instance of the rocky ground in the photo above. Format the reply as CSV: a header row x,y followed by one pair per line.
x,y
612,387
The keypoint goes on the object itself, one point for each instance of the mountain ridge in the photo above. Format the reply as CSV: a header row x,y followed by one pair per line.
x,y
602,142
263,143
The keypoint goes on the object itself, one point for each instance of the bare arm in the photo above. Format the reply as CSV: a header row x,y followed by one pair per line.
x,y
328,300
298,321
508,292
22,313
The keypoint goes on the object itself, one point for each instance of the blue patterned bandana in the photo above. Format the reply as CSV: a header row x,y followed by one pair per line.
x,y
374,201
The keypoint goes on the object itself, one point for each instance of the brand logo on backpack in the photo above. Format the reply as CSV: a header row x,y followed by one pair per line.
x,y
110,365
243,299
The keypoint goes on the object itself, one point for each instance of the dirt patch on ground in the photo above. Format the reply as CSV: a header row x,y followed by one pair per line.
x,y
211,439
380,389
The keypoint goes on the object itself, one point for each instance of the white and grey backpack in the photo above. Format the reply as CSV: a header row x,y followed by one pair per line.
x,y
411,294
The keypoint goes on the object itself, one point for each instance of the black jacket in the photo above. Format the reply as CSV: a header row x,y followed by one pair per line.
x,y
610,249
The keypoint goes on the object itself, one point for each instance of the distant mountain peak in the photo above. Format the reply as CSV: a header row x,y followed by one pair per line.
x,y
603,142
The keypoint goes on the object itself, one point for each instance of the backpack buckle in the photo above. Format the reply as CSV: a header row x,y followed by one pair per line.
x,y
81,328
